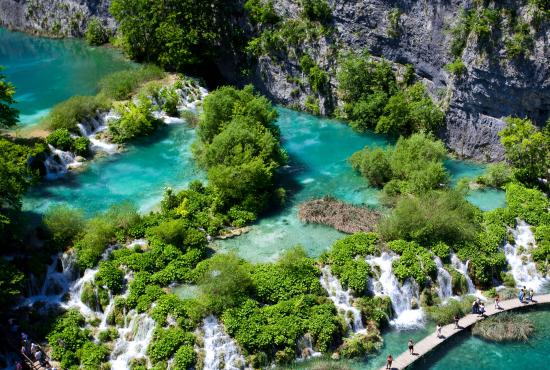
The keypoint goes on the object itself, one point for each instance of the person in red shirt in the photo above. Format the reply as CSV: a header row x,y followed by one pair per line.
x,y
389,361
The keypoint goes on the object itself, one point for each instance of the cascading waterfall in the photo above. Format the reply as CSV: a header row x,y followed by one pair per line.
x,y
519,258
342,300
402,296
219,348
95,125
134,338
59,162
444,281
463,269
305,348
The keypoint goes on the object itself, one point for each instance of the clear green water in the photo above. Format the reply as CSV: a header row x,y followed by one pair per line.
x,y
139,175
46,71
469,352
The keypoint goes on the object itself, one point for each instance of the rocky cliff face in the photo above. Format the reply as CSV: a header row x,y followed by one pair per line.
x,y
492,87
55,18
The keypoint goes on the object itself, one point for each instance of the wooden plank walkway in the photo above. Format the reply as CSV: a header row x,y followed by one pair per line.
x,y
404,360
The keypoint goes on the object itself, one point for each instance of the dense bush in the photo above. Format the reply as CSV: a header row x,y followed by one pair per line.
x,y
67,114
496,175
317,10
414,165
261,12
120,85
449,218
415,262
457,67
377,308
92,356
96,33
64,224
110,276
185,357
530,205
445,313
62,139
136,119
166,343
527,148
8,114
239,146
67,338
294,274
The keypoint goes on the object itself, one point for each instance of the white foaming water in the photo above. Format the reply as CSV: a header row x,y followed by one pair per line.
x,y
219,348
133,340
76,293
444,281
93,126
519,258
402,296
463,269
305,348
59,162
342,300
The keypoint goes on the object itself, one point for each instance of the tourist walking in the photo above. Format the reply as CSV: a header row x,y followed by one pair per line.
x,y
497,303
389,361
411,347
481,310
475,307
531,294
438,331
456,322
521,295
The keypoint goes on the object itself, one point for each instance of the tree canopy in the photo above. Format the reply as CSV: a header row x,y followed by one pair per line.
x,y
9,116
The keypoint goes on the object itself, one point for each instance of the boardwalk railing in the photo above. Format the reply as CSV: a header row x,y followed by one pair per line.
x,y
427,344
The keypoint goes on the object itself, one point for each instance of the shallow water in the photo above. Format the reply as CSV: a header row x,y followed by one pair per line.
x,y
138,175
47,71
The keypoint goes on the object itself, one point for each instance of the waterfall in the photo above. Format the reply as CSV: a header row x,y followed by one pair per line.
x,y
305,348
342,300
59,162
519,258
219,348
463,269
444,281
402,296
133,340
95,125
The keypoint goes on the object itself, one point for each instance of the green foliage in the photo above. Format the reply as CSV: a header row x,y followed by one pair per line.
x,y
225,283
347,260
520,42
96,33
67,114
11,284
64,225
460,32
67,337
185,357
415,262
268,329
527,148
459,282
394,17
62,139
166,342
456,67
15,178
120,85
445,314
496,175
377,308
108,335
449,218
110,276
261,12
92,356
239,146
293,275
173,34
9,116
136,119
414,166
317,10
441,250
178,233
530,205
409,111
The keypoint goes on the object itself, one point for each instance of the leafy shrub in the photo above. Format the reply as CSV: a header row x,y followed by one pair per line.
x,y
496,175
60,139
136,119
67,114
456,67
185,357
261,12
67,337
81,146
441,250
96,33
64,224
110,276
394,16
530,205
360,345
317,10
92,356
120,85
445,313
377,308
166,342
415,261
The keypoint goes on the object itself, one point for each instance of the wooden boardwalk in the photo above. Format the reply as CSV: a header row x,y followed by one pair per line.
x,y
404,360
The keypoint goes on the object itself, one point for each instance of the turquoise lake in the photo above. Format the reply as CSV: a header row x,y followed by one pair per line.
x,y
46,71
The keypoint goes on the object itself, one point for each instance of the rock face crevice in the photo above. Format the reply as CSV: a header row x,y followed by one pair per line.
x,y
492,87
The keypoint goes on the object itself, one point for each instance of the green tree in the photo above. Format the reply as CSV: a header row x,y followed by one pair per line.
x,y
527,148
64,225
96,33
9,116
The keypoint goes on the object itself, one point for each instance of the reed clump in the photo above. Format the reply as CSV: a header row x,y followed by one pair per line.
x,y
506,327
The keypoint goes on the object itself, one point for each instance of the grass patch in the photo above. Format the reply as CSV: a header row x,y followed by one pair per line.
x,y
121,85
506,327
445,314
67,114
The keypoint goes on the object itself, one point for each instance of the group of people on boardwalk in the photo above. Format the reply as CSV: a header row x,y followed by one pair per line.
x,y
30,351
526,296
478,308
